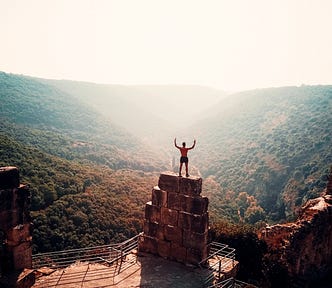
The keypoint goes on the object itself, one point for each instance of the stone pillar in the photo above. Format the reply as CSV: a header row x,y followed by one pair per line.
x,y
15,222
176,220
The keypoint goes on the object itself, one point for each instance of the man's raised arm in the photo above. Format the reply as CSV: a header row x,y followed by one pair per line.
x,y
175,143
193,144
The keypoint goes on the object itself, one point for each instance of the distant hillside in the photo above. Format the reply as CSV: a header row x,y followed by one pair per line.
x,y
150,112
75,205
88,177
274,145
58,123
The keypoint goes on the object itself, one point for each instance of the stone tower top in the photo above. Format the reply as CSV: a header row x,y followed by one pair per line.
x,y
176,220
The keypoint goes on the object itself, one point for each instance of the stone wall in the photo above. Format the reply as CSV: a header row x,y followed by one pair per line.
x,y
15,222
176,220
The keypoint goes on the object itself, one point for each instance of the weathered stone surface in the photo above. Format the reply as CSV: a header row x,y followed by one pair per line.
x,y
9,177
190,186
6,199
178,252
169,182
152,212
304,248
8,219
164,248
195,240
153,229
195,256
174,201
194,205
176,220
21,255
148,244
173,234
193,222
169,216
19,233
159,197
200,223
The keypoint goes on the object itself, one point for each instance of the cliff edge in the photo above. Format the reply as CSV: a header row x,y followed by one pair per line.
x,y
303,249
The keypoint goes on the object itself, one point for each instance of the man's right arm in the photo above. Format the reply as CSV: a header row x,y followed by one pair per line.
x,y
175,143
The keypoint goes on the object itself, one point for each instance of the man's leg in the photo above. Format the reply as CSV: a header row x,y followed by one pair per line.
x,y
180,170
187,174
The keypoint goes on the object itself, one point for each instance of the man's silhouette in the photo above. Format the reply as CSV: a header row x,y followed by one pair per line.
x,y
184,157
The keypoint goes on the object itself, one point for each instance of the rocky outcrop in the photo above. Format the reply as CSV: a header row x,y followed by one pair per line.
x,y
176,220
15,230
304,248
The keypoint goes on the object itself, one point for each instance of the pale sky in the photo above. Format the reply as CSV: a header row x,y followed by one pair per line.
x,y
232,45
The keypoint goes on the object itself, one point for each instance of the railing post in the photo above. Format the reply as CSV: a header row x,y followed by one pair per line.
x,y
219,270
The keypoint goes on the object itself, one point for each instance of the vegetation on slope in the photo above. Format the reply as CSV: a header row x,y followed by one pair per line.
x,y
57,123
65,152
75,205
270,147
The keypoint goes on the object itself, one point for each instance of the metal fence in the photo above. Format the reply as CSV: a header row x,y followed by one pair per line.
x,y
220,258
232,283
109,254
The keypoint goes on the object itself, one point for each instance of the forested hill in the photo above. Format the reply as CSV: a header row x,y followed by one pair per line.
x,y
273,144
89,179
58,123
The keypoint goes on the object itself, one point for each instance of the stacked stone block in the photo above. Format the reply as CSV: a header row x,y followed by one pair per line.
x,y
15,222
176,220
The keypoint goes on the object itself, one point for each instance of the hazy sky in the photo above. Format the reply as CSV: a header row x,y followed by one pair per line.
x,y
232,45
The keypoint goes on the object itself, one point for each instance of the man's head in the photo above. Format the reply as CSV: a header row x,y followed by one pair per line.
x,y
183,144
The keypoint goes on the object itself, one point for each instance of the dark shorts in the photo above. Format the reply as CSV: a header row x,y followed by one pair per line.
x,y
184,159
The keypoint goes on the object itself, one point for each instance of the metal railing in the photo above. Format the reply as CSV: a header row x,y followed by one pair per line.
x,y
232,283
107,254
221,256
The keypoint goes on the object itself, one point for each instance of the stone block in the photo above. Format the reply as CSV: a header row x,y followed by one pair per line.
x,y
153,229
178,252
9,177
19,233
21,255
164,248
169,182
148,244
185,220
195,256
190,186
6,220
159,197
152,212
173,234
169,216
9,219
200,224
195,240
193,222
194,205
174,201
6,199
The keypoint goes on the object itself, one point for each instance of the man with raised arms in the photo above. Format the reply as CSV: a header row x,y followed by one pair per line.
x,y
184,155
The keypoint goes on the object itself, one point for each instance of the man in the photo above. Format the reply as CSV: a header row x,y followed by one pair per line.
x,y
184,157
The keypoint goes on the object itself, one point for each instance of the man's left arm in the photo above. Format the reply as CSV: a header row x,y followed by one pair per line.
x,y
193,144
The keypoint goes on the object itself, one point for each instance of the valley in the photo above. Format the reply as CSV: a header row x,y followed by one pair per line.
x,y
91,153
